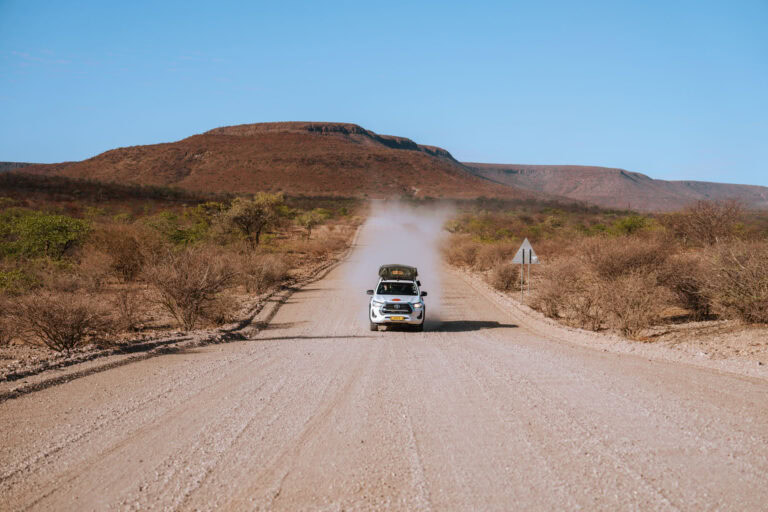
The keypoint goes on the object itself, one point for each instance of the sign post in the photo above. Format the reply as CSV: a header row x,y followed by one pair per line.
x,y
525,254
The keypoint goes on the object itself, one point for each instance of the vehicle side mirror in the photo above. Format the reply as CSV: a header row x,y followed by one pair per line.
x,y
423,294
418,283
369,292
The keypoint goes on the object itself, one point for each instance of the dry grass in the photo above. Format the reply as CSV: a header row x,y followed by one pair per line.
x,y
490,256
325,243
262,272
461,251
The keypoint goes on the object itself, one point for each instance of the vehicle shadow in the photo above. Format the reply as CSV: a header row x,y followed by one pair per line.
x,y
466,325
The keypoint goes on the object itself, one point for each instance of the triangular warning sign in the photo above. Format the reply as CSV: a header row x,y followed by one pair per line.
x,y
526,254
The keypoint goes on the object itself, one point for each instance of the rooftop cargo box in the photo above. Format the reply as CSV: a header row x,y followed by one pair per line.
x,y
394,271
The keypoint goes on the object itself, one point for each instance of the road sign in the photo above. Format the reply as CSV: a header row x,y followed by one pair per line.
x,y
526,254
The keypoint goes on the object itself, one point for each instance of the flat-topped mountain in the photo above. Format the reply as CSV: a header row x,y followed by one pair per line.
x,y
617,188
298,157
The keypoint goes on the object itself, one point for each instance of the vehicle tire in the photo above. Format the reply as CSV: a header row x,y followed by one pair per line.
x,y
373,326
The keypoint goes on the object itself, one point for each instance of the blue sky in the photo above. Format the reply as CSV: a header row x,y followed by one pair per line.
x,y
677,90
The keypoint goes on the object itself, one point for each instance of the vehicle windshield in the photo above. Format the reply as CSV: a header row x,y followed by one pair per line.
x,y
397,289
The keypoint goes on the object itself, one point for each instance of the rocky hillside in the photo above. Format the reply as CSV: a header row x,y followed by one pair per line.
x,y
617,188
298,158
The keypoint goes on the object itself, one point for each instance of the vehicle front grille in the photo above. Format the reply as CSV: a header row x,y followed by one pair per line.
x,y
396,309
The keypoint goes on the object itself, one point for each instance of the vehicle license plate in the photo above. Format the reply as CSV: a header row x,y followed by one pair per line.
x,y
397,318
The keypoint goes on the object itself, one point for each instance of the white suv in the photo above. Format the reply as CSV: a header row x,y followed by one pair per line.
x,y
397,299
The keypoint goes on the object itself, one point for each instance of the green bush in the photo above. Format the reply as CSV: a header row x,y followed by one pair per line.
x,y
16,281
35,234
631,225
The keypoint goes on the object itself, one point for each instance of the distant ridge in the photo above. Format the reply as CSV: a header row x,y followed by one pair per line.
x,y
617,188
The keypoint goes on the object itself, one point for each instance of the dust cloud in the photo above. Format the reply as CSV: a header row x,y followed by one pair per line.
x,y
397,232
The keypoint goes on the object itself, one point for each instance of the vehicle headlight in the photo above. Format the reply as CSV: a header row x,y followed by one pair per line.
x,y
418,305
377,303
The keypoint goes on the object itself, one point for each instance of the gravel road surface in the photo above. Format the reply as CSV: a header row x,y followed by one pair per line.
x,y
317,412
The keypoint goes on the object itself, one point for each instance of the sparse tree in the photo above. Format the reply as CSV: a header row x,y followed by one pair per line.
x,y
252,216
311,219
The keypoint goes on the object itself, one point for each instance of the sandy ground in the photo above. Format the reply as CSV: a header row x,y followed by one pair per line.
x,y
489,409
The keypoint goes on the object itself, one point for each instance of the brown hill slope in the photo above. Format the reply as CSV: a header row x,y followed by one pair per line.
x,y
298,158
617,188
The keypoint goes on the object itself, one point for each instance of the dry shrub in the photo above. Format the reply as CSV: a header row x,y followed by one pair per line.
x,y
634,302
128,305
685,276
738,280
63,321
611,258
8,330
585,299
326,246
705,222
568,290
490,256
461,252
93,269
8,325
323,246
505,277
127,248
261,272
61,281
188,281
221,310
606,279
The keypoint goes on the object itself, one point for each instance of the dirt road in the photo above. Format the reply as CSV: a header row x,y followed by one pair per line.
x,y
318,412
